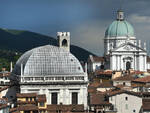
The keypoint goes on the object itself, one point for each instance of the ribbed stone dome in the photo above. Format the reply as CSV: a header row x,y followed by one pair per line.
x,y
48,60
119,28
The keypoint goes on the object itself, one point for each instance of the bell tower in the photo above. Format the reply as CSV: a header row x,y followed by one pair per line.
x,y
64,40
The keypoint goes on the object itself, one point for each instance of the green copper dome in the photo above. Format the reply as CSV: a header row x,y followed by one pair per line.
x,y
119,28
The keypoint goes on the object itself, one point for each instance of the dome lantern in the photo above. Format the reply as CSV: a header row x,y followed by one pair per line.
x,y
120,15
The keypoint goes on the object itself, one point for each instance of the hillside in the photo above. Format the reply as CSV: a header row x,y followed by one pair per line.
x,y
22,41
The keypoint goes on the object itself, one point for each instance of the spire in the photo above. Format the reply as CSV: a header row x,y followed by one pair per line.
x,y
120,15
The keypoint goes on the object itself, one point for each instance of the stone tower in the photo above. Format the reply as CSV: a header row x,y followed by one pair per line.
x,y
64,40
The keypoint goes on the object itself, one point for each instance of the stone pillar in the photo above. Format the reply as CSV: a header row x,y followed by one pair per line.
x,y
118,62
145,63
61,96
113,62
135,62
48,96
141,63
124,65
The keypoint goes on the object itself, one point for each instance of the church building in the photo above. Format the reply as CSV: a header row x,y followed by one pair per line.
x,y
53,71
122,47
122,51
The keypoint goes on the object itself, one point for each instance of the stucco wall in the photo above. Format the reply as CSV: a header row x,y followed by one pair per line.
x,y
126,106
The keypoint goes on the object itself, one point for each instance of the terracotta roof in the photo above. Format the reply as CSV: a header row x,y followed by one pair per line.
x,y
13,110
136,85
137,72
98,99
27,107
146,94
99,72
3,106
145,100
41,98
91,89
112,93
146,104
65,107
124,78
26,102
105,84
121,86
143,79
94,84
23,95
4,88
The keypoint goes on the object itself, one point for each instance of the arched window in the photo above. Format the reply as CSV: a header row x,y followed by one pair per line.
x,y
64,43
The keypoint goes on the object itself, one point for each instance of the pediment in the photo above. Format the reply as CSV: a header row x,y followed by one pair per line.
x,y
128,47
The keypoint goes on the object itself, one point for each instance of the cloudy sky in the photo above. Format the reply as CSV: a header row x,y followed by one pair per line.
x,y
87,20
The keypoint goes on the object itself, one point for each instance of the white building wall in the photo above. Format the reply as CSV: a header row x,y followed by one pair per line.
x,y
126,106
64,92
127,83
93,66
148,65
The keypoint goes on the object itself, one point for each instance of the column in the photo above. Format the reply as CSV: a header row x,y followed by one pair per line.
x,y
121,60
118,62
145,63
116,66
135,66
48,96
124,65
114,62
141,63
61,96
